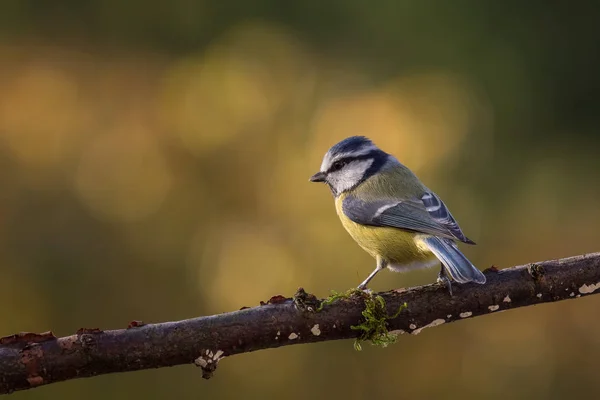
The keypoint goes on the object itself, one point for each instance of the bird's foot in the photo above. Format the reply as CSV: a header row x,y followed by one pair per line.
x,y
444,280
365,289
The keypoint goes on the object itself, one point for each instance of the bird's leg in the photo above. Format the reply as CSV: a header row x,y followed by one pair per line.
x,y
381,264
443,278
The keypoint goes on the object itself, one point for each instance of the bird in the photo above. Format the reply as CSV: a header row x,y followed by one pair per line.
x,y
392,215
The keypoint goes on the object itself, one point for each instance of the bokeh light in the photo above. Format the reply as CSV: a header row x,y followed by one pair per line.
x,y
122,175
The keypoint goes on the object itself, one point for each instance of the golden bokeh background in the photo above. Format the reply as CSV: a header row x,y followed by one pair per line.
x,y
154,164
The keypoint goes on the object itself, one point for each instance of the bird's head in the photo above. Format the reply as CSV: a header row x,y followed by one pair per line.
x,y
349,163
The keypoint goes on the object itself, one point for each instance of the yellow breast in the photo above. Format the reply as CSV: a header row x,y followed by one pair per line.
x,y
394,245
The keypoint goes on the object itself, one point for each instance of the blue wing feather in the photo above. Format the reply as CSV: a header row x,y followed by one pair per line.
x,y
427,215
440,213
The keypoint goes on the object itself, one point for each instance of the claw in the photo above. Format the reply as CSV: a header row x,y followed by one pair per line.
x,y
365,289
443,279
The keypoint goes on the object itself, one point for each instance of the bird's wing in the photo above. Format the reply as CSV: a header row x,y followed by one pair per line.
x,y
426,215
440,213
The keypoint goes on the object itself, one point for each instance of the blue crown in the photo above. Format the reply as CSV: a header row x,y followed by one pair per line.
x,y
350,144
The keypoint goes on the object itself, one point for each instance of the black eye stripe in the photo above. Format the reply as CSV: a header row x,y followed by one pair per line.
x,y
339,164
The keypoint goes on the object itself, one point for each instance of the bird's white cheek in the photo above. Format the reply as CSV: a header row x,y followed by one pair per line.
x,y
347,181
351,175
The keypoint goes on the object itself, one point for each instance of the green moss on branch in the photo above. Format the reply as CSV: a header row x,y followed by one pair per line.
x,y
374,328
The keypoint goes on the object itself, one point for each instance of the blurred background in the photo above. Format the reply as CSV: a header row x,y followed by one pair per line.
x,y
154,164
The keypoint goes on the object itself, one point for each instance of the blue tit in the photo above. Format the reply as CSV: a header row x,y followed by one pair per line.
x,y
391,214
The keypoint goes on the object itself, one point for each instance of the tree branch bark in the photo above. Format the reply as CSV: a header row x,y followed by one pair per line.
x,y
29,360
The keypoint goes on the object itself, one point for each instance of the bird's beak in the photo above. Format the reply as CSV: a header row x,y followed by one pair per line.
x,y
318,177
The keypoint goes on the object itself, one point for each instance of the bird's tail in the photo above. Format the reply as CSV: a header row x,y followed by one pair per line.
x,y
457,265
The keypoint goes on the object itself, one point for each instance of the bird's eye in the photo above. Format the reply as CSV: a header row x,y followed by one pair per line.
x,y
338,165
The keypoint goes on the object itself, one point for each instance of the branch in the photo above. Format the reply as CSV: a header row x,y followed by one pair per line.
x,y
29,360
